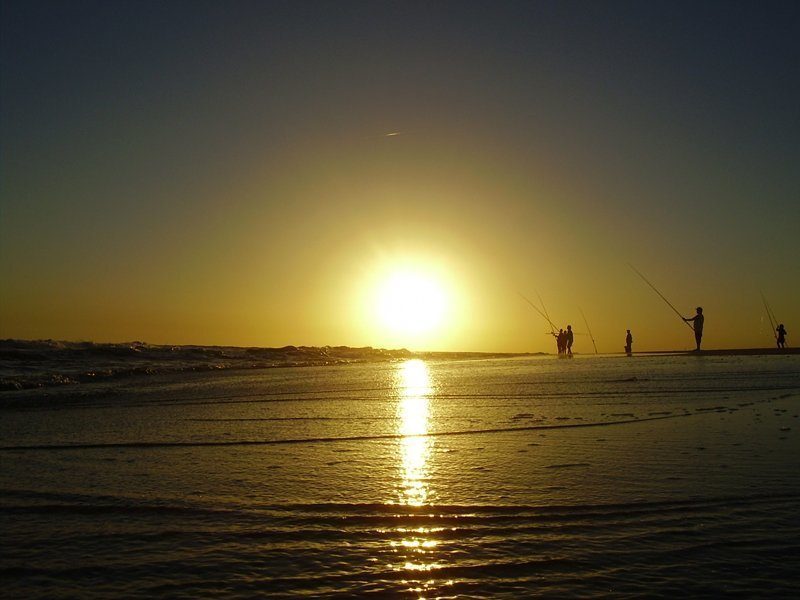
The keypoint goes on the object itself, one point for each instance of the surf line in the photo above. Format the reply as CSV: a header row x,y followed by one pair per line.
x,y
354,438
661,295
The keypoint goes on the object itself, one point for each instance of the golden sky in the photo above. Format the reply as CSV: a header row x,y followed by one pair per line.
x,y
271,179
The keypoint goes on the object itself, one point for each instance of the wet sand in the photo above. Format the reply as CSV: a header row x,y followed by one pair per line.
x,y
722,352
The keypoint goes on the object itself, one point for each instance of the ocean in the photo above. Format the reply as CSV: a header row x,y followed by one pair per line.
x,y
515,477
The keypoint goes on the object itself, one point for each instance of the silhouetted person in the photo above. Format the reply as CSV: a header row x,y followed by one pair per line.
x,y
781,336
561,341
628,342
697,326
569,338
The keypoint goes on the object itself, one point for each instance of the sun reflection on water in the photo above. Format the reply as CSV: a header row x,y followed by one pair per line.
x,y
414,387
415,548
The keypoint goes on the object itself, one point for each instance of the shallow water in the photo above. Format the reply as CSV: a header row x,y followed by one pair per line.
x,y
601,476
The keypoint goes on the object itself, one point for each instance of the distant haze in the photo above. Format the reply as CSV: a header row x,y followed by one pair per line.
x,y
247,173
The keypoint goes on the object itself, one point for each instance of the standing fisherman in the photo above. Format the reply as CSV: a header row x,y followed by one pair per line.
x,y
628,342
697,326
569,338
781,338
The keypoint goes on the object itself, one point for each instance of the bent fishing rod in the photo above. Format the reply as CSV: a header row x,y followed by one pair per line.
x,y
585,322
660,295
536,308
546,314
772,320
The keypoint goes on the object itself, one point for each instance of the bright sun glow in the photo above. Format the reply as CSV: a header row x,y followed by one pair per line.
x,y
411,302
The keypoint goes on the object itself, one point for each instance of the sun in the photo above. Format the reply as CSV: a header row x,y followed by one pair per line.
x,y
411,303
410,300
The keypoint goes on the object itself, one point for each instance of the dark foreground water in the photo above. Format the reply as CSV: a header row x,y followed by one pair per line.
x,y
608,477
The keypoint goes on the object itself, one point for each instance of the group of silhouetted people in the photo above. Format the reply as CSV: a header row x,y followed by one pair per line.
x,y
697,324
564,341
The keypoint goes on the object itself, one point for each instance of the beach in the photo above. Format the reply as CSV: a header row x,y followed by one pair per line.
x,y
425,300
497,477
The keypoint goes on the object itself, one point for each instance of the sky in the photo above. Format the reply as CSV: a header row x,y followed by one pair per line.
x,y
399,174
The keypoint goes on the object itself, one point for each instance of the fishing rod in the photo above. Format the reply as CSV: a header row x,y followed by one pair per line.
x,y
547,316
536,308
661,295
585,322
772,320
